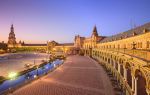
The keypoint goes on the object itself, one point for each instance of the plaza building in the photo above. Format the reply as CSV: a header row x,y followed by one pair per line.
x,y
61,48
126,55
83,43
49,47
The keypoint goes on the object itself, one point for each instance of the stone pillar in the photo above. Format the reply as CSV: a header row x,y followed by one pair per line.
x,y
136,79
125,73
133,83
147,91
119,68
114,64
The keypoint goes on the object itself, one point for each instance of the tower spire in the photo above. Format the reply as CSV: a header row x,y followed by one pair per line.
x,y
95,33
12,28
11,38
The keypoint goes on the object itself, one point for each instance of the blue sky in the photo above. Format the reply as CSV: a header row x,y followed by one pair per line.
x,y
37,21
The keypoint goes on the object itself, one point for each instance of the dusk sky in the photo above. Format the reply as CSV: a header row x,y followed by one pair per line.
x,y
36,21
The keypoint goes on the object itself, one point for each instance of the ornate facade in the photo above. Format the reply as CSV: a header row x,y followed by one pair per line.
x,y
87,43
126,56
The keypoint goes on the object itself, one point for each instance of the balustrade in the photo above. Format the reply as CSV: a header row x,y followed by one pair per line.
x,y
108,57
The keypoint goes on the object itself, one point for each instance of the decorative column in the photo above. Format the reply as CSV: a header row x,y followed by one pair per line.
x,y
133,83
136,79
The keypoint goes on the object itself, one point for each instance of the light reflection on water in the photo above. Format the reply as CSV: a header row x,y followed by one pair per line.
x,y
8,84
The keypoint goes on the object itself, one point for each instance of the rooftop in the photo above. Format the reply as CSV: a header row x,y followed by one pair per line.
x,y
35,45
130,33
66,44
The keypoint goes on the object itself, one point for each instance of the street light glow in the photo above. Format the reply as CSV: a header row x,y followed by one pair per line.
x,y
54,65
54,49
35,76
12,75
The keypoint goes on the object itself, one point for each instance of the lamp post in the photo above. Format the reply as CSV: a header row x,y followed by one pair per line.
x,y
133,47
27,66
124,50
12,76
36,65
37,70
47,51
34,58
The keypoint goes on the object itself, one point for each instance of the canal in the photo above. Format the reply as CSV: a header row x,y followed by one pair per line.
x,y
12,84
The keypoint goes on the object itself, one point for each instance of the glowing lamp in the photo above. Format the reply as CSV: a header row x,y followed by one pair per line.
x,y
12,75
54,65
35,76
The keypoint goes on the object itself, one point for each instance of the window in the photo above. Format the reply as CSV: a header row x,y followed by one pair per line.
x,y
147,44
141,45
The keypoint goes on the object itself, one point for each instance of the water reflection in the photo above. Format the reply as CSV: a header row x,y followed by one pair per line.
x,y
21,80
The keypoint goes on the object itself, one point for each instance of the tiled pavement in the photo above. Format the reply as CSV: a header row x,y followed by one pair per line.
x,y
79,75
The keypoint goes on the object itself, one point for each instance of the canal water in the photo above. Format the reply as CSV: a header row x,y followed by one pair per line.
x,y
10,84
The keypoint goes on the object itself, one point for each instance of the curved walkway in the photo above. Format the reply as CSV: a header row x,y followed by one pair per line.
x,y
79,75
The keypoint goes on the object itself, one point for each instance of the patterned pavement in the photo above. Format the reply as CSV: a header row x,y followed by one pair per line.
x,y
79,75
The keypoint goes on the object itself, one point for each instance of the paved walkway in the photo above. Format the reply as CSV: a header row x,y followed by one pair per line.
x,y
79,75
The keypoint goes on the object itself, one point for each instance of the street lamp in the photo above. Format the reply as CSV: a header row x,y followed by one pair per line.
x,y
37,70
34,57
54,65
12,75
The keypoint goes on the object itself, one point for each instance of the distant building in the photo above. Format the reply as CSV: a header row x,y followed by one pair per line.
x,y
92,41
12,39
78,41
53,47
83,43
49,47
3,46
